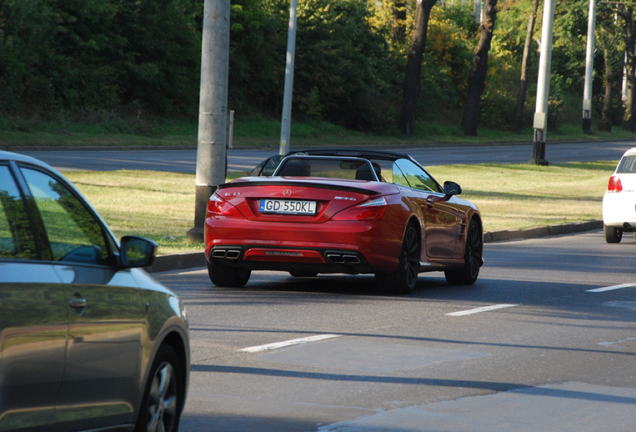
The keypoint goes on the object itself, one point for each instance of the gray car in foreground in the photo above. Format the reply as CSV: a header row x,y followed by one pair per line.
x,y
88,341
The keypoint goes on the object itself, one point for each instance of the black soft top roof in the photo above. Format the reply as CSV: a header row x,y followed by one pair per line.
x,y
362,153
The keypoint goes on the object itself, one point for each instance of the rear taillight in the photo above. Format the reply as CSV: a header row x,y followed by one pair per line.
x,y
615,184
217,206
370,210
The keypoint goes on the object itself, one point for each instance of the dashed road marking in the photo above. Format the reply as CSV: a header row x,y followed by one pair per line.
x,y
481,309
291,342
612,288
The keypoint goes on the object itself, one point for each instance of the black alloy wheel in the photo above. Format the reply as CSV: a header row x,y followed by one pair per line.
x,y
473,258
161,405
404,279
226,276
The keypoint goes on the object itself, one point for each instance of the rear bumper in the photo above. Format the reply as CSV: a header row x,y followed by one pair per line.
x,y
290,259
332,247
619,209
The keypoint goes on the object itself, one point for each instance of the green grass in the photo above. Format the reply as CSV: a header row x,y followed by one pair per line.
x,y
103,129
160,205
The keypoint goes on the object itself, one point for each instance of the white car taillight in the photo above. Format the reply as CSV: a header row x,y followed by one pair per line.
x,y
615,184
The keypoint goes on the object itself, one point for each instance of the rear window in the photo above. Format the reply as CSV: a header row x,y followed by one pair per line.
x,y
16,236
350,169
627,165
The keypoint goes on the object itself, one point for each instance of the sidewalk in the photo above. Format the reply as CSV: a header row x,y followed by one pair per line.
x,y
187,260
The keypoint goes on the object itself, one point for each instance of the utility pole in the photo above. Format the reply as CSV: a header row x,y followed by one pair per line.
x,y
285,128
589,69
213,116
543,86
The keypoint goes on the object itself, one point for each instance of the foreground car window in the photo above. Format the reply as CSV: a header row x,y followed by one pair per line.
x,y
73,232
415,176
16,236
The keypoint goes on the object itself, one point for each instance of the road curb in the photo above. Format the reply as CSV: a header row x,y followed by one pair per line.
x,y
530,233
187,260
177,261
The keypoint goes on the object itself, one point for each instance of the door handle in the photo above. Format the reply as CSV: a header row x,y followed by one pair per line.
x,y
77,303
430,201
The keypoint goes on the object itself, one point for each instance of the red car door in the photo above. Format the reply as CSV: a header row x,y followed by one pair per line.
x,y
441,221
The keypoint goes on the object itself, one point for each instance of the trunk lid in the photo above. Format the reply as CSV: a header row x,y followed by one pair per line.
x,y
301,200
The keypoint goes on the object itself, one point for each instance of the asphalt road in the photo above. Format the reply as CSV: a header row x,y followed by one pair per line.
x,y
528,348
244,160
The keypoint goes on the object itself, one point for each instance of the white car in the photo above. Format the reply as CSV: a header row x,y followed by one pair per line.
x,y
619,202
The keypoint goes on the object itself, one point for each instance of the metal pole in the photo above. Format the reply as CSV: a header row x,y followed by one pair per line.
x,y
543,86
589,69
285,127
212,137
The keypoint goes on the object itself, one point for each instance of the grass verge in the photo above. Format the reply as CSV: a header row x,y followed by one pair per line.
x,y
107,131
160,205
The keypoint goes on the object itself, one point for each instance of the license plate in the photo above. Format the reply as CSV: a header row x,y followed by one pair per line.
x,y
288,207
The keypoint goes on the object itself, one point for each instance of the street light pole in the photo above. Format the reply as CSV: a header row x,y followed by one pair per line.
x,y
543,86
589,69
285,128
212,137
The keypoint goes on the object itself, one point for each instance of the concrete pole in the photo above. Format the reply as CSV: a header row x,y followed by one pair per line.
x,y
285,128
589,69
213,117
543,86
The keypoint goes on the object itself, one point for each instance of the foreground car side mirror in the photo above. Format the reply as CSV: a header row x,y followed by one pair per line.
x,y
450,189
137,251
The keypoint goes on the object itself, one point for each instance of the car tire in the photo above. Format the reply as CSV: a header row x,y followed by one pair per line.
x,y
404,279
473,258
162,403
613,234
225,276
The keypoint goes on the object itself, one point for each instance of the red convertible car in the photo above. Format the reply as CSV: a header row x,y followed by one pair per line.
x,y
343,211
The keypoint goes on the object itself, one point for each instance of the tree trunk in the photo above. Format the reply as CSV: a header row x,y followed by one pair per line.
x,y
606,116
525,64
413,71
477,74
629,121
399,14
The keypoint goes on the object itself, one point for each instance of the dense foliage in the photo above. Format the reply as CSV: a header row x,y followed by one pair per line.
x,y
142,57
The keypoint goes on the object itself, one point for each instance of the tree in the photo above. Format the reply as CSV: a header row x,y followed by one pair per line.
x,y
399,14
610,43
627,13
477,74
525,64
413,71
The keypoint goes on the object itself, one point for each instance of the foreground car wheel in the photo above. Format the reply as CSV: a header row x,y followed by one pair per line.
x,y
613,234
467,275
404,279
224,276
161,405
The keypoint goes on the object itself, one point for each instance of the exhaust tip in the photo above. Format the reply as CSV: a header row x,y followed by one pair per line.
x,y
233,254
219,253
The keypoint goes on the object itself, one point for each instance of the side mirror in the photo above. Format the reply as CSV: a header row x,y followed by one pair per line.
x,y
450,189
137,251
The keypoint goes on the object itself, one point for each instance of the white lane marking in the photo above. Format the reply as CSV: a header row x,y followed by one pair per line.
x,y
481,309
617,342
287,343
611,288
